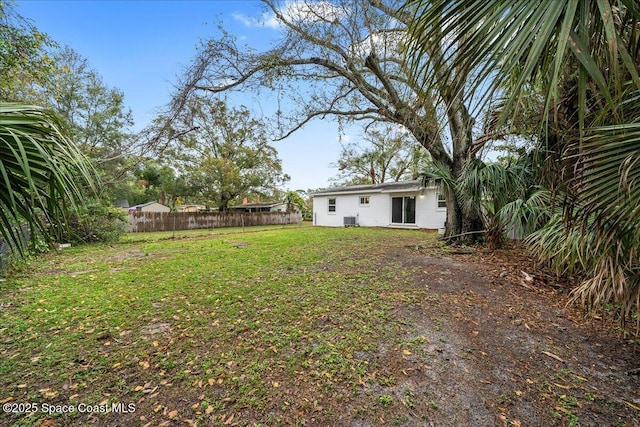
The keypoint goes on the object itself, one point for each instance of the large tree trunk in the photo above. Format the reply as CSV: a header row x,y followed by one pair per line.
x,y
223,206
460,226
453,224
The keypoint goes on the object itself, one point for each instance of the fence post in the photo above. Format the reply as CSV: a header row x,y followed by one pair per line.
x,y
174,225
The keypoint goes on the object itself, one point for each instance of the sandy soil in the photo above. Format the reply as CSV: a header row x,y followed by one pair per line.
x,y
503,348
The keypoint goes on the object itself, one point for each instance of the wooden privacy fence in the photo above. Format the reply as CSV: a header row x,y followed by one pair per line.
x,y
140,222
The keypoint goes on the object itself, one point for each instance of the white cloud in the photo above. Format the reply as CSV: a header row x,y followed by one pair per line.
x,y
301,10
249,22
269,20
385,43
296,11
345,139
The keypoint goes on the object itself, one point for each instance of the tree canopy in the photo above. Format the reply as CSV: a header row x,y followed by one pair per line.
x,y
223,153
385,153
99,121
25,62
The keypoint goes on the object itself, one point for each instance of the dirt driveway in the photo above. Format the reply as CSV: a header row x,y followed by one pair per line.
x,y
503,348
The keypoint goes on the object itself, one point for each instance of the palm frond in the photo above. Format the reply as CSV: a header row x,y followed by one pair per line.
x,y
40,173
525,215
513,44
437,173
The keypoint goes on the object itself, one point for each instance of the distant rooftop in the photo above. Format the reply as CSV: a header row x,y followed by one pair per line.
x,y
258,205
142,205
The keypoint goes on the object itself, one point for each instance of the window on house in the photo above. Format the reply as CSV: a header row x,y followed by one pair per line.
x,y
332,205
364,200
442,201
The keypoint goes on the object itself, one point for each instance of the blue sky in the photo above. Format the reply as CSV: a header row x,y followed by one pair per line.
x,y
141,46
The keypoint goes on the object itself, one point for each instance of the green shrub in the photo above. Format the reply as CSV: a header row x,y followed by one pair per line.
x,y
96,221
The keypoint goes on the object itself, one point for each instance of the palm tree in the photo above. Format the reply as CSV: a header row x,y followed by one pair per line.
x,y
41,171
583,57
488,191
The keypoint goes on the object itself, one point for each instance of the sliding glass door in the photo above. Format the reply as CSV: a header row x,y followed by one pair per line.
x,y
403,210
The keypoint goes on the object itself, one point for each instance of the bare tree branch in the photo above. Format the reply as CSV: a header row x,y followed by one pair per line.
x,y
369,114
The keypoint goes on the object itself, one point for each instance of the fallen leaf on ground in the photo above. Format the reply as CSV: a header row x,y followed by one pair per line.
x,y
636,407
553,356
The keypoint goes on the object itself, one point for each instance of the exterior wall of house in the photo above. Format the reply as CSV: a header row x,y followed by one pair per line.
x,y
191,208
282,207
428,214
377,213
155,207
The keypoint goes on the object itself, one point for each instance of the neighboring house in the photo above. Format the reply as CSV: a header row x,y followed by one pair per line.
x,y
150,207
395,204
191,208
259,207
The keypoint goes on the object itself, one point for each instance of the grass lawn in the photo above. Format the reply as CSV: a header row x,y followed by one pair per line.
x,y
268,327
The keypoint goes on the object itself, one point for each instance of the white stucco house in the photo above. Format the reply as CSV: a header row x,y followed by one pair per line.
x,y
405,204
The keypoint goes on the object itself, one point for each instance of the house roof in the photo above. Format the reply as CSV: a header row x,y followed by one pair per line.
x,y
257,205
142,205
385,187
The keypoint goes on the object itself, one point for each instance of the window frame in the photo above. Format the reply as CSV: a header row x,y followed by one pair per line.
x,y
365,204
332,205
443,200
408,217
